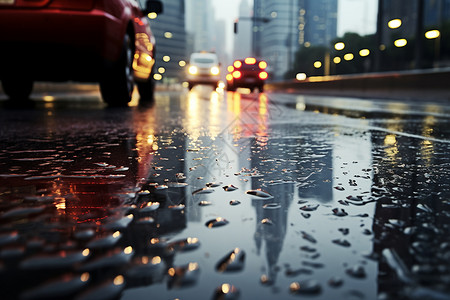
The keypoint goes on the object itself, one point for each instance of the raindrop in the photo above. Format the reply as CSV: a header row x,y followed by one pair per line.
x,y
308,249
259,193
335,282
8,238
148,207
176,207
115,258
367,232
120,224
342,242
146,269
22,212
183,276
313,264
235,202
60,289
291,272
160,187
121,169
353,198
344,231
60,260
177,184
107,290
309,207
216,222
145,221
306,215
339,188
213,184
272,206
40,199
204,203
105,242
232,262
308,237
203,191
84,234
362,215
226,292
230,188
266,221
266,280
357,271
309,287
397,223
339,212
343,202
187,244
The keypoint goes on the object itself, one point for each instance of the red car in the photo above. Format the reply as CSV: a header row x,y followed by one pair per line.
x,y
247,73
105,41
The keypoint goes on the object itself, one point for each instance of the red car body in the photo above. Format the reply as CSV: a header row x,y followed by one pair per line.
x,y
247,73
82,40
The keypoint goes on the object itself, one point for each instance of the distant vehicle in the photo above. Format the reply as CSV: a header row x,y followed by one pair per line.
x,y
247,73
204,68
105,41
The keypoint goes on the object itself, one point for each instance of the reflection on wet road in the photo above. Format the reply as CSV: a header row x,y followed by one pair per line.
x,y
208,195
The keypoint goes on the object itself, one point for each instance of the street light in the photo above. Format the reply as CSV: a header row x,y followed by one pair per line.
x,y
394,23
339,46
432,34
348,56
400,43
364,52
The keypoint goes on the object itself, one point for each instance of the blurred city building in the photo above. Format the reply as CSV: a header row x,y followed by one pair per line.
x,y
205,31
281,27
171,40
243,36
435,14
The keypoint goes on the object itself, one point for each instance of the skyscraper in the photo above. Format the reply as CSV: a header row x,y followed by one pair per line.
x,y
243,37
291,24
170,34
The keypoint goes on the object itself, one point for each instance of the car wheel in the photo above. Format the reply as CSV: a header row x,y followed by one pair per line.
x,y
118,83
261,88
190,86
17,88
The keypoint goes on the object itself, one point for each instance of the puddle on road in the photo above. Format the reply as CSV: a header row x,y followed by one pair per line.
x,y
184,201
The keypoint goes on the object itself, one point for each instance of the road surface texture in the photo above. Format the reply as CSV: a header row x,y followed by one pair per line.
x,y
215,195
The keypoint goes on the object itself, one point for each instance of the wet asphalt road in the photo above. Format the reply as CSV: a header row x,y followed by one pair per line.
x,y
213,195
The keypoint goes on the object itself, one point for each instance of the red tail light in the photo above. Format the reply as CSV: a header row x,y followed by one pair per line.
x,y
250,60
263,75
262,65
237,74
237,64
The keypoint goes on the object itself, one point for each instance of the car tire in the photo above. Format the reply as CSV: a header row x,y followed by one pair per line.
x,y
118,83
19,89
261,88
190,86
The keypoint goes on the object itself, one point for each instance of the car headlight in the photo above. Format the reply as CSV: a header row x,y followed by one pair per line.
x,y
215,71
193,70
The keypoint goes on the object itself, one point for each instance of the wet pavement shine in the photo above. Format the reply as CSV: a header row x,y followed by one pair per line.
x,y
212,195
